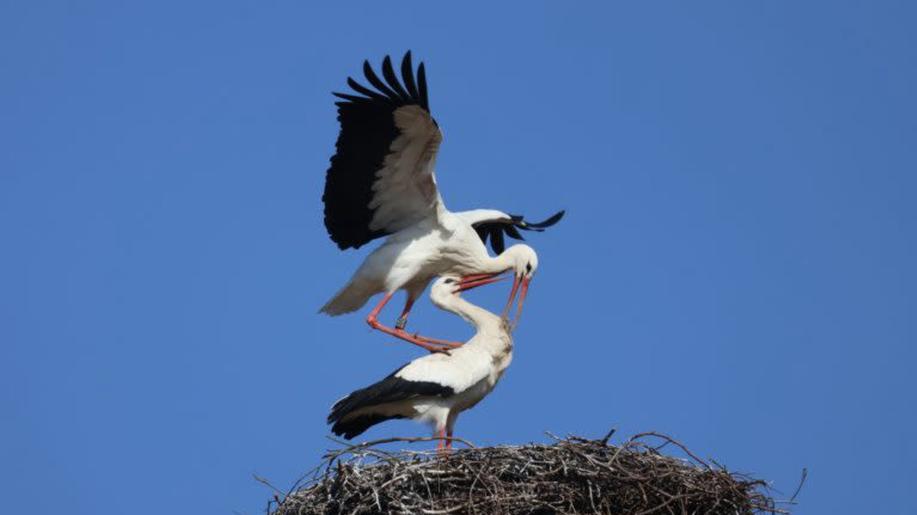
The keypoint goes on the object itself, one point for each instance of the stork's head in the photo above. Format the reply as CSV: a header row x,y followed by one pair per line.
x,y
524,260
524,264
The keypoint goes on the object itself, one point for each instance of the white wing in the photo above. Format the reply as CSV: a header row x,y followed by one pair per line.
x,y
405,189
381,178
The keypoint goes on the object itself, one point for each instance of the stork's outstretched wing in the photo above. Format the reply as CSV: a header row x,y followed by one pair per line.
x,y
511,226
381,178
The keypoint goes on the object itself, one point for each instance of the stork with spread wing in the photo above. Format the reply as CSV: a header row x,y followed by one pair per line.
x,y
382,183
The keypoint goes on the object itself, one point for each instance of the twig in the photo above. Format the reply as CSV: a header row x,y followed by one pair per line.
x,y
671,440
802,480
268,484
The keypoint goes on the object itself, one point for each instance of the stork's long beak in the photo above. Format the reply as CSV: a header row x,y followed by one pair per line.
x,y
522,293
520,286
470,282
512,296
474,277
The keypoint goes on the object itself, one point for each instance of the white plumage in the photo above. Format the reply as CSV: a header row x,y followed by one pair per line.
x,y
435,388
382,183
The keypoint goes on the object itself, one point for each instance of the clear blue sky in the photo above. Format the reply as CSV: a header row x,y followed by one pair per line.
x,y
737,267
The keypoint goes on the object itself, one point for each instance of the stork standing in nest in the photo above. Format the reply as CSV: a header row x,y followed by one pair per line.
x,y
437,387
381,183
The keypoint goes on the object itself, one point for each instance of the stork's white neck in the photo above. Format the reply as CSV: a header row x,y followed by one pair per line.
x,y
483,321
504,261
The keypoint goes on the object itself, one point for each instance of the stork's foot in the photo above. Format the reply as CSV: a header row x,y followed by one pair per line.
x,y
444,448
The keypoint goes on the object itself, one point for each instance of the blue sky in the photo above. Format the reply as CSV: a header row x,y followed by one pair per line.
x,y
736,268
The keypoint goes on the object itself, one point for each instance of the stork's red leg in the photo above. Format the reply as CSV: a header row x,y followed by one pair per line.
x,y
403,319
441,444
373,322
371,319
436,341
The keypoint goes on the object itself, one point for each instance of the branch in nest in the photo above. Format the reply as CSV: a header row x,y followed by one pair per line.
x,y
572,474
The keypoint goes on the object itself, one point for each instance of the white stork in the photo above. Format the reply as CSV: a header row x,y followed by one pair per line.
x,y
437,387
381,183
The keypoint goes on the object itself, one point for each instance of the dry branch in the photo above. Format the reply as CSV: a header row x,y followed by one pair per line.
x,y
573,475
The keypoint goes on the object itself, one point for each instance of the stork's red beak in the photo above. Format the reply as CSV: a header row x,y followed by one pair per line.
x,y
474,277
520,286
512,296
469,282
522,293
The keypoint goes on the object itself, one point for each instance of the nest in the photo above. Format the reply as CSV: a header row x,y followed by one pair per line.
x,y
572,475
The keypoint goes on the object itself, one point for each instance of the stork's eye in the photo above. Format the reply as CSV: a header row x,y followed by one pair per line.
x,y
528,267
449,281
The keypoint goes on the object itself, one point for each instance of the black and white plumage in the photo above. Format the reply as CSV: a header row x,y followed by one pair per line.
x,y
356,210
496,228
437,387
382,183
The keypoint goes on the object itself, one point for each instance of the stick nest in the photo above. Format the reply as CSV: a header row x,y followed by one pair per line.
x,y
572,475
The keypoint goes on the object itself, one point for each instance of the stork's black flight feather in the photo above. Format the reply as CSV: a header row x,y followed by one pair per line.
x,y
367,131
494,229
390,389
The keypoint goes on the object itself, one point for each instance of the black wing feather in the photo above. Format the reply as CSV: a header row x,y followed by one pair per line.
x,y
359,88
391,389
512,232
357,425
349,98
553,219
389,73
367,131
377,82
510,226
483,232
496,240
407,74
422,87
